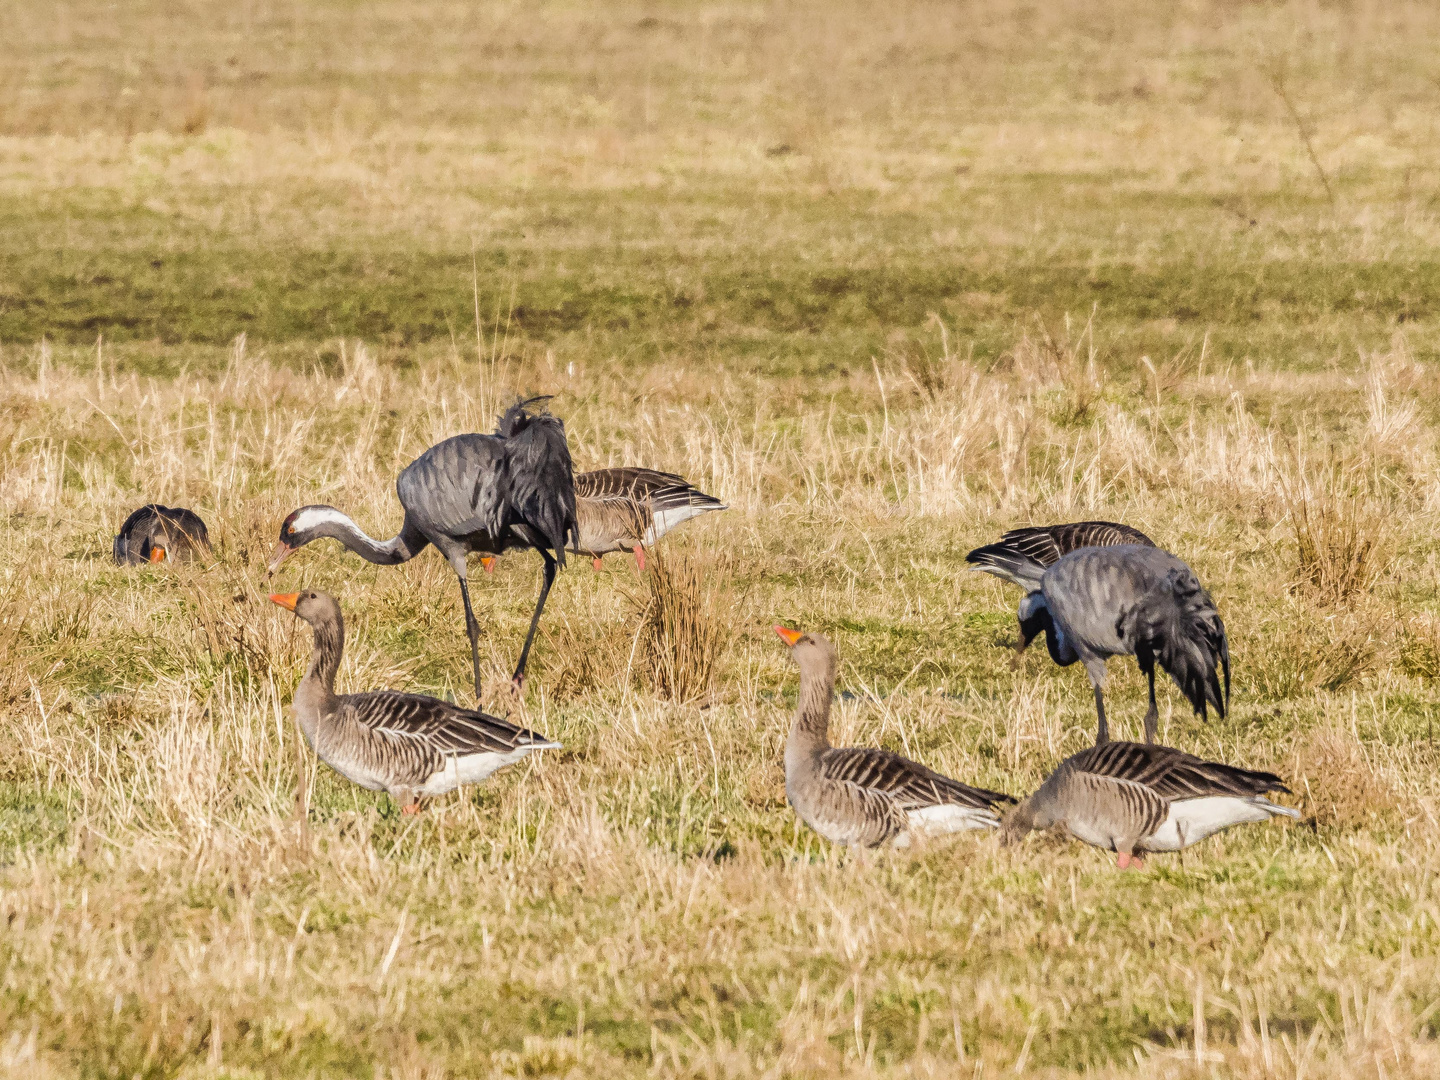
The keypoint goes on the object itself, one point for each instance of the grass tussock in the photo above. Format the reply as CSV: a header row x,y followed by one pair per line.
x,y
1341,787
685,615
1342,543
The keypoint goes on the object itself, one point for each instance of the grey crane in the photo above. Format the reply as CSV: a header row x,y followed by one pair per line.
x,y
1134,798
409,745
471,493
156,533
1138,601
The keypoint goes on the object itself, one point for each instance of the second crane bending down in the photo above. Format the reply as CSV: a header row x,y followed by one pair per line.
x,y
486,494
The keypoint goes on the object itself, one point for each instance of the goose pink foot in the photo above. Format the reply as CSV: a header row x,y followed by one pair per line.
x,y
1129,862
639,557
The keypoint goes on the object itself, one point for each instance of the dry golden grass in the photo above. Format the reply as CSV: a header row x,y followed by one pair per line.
x,y
886,279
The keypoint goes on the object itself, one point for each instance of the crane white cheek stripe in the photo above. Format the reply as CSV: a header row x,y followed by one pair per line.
x,y
313,516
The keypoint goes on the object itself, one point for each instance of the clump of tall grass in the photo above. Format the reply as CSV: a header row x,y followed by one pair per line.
x,y
685,624
1338,532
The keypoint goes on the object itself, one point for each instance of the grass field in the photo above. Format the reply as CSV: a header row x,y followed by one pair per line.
x,y
888,279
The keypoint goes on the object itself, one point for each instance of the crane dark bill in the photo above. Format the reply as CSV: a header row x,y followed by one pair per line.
x,y
282,552
285,600
790,636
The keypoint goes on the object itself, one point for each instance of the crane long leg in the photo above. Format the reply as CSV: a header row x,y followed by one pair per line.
x,y
1153,713
519,680
1103,735
472,628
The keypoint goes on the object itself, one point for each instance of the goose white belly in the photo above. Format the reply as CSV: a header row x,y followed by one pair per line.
x,y
1192,820
662,521
473,768
949,818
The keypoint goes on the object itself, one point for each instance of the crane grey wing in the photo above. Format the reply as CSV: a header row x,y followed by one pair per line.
x,y
910,784
457,488
1179,626
539,479
1171,773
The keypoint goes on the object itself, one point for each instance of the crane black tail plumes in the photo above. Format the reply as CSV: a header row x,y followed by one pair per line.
x,y
1004,561
1187,637
539,474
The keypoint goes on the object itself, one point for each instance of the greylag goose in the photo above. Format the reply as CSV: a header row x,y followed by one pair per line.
x,y
1021,555
631,509
470,493
156,533
406,744
1137,601
1134,798
854,795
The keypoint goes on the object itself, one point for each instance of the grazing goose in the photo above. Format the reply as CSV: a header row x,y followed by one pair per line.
x,y
480,493
405,744
1137,601
1133,798
853,795
156,533
1022,555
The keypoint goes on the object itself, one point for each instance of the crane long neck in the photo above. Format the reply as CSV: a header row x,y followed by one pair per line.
x,y
402,547
810,732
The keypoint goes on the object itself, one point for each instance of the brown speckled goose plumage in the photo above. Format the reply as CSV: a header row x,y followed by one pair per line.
x,y
1133,798
409,745
862,796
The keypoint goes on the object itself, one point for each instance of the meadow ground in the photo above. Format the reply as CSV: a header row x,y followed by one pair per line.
x,y
888,279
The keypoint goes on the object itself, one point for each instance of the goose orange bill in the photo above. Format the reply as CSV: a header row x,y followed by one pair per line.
x,y
488,562
157,554
285,600
790,636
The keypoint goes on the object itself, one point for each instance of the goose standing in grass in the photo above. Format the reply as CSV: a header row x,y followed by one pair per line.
x,y
156,533
631,509
1022,555
471,493
1135,798
853,795
1137,601
406,744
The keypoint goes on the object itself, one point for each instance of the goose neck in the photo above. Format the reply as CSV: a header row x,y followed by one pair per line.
x,y
810,732
316,692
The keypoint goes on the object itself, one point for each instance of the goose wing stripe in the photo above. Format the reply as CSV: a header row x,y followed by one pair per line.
x,y
913,785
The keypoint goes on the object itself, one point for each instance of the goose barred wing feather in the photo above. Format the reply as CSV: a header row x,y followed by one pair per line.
x,y
1171,773
911,785
438,725
1022,555
660,490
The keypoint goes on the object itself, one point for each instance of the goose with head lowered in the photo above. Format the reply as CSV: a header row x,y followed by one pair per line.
x,y
859,796
471,493
406,744
156,533
1136,798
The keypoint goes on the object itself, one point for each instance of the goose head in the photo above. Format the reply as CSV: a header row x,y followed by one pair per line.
x,y
316,608
812,652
